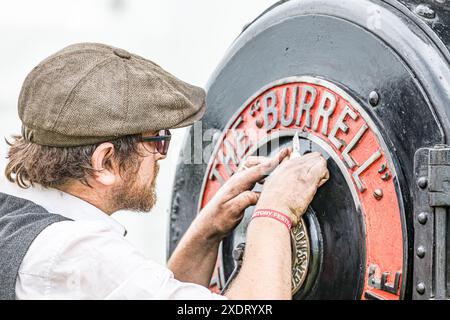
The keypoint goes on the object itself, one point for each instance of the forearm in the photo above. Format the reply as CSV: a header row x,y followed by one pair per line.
x,y
195,257
266,269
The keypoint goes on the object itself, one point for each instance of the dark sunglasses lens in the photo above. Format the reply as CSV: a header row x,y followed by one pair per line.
x,y
163,145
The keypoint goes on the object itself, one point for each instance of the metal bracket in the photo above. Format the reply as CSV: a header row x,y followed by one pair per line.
x,y
382,283
431,200
238,257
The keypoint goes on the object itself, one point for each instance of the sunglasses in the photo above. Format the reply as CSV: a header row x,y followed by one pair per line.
x,y
162,141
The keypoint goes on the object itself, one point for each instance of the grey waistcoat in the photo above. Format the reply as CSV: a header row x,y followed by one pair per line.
x,y
21,221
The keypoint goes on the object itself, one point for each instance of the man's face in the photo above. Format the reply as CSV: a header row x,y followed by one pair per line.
x,y
137,190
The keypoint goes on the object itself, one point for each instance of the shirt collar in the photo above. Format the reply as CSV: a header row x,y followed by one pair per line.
x,y
62,203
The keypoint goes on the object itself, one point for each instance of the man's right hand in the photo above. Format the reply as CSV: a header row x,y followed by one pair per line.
x,y
292,186
266,271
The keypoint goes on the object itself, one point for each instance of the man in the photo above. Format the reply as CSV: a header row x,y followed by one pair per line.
x,y
96,122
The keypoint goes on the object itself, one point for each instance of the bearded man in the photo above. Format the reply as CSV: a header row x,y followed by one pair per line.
x,y
95,123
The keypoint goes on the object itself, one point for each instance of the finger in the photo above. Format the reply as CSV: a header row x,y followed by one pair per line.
x,y
324,179
309,156
244,200
252,161
245,179
267,167
319,171
282,155
286,153
305,160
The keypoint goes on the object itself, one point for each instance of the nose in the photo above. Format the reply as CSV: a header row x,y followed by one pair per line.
x,y
160,156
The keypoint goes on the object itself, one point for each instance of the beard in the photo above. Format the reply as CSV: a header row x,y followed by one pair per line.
x,y
133,196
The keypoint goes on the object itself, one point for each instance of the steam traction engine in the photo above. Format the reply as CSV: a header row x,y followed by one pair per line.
x,y
367,84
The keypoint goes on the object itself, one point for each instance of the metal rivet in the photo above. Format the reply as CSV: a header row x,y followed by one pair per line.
x,y
420,288
422,182
216,137
425,11
378,194
382,168
385,177
259,123
374,98
238,252
421,252
422,217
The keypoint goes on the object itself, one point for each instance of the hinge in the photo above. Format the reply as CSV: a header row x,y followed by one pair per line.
x,y
431,201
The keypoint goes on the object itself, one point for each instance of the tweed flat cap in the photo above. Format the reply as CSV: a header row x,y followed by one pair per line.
x,y
89,93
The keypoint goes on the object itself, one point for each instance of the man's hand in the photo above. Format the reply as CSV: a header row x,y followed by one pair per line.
x,y
195,256
292,186
266,271
225,210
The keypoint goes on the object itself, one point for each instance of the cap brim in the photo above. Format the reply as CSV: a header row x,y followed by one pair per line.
x,y
193,118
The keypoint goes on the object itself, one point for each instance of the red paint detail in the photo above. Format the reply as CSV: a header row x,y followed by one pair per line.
x,y
384,243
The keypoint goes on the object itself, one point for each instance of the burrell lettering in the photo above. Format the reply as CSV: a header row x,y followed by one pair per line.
x,y
309,95
341,125
269,105
346,152
288,102
325,113
299,106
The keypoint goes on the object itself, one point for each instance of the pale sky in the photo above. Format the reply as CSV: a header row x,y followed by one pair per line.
x,y
187,38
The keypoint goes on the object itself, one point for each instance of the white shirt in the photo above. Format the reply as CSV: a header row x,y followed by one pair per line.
x,y
89,258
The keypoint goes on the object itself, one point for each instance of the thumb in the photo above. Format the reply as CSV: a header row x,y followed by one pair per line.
x,y
244,200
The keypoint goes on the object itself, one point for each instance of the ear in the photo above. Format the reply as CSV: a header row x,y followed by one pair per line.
x,y
103,163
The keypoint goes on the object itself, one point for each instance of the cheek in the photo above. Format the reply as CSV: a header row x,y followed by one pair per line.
x,y
146,170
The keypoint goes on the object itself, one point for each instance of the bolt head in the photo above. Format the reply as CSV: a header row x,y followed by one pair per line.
x,y
422,217
238,254
422,182
378,194
425,11
385,177
374,98
259,123
420,288
421,251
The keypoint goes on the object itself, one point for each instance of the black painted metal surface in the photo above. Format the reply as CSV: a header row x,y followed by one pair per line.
x,y
404,59
431,203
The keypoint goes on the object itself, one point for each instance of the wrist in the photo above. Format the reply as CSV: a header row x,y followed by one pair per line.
x,y
288,220
280,208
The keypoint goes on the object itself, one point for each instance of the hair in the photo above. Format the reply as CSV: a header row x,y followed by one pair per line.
x,y
30,163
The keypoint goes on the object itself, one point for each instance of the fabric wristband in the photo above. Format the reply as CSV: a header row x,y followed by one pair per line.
x,y
269,213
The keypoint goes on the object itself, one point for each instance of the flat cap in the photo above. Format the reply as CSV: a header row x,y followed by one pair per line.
x,y
89,93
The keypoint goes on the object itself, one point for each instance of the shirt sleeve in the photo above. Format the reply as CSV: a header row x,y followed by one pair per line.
x,y
88,260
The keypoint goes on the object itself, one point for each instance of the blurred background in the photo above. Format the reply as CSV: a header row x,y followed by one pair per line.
x,y
187,38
